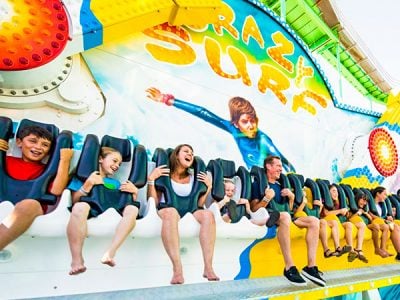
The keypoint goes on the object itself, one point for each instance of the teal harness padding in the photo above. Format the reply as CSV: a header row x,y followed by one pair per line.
x,y
183,204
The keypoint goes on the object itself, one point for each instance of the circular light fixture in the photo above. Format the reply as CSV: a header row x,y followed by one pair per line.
x,y
383,152
34,33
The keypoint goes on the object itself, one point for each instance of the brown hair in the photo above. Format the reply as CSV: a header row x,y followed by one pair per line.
x,y
239,106
37,131
269,159
360,195
173,157
378,189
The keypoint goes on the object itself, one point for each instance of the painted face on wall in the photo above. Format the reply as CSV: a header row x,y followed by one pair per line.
x,y
247,125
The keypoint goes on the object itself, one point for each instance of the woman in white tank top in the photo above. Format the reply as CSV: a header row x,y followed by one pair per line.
x,y
181,160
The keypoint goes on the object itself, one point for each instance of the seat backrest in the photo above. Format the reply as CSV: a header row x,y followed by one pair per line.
x,y
227,170
395,202
312,191
16,190
217,190
371,203
183,204
348,192
6,133
388,205
101,198
260,182
298,184
324,187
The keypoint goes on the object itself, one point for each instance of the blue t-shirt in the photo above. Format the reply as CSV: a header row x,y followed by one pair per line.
x,y
109,183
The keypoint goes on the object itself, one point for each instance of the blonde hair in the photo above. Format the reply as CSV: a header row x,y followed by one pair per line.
x,y
104,151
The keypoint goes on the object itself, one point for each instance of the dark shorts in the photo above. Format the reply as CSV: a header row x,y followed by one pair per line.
x,y
181,213
96,210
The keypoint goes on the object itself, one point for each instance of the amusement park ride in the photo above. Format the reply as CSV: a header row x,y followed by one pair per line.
x,y
84,66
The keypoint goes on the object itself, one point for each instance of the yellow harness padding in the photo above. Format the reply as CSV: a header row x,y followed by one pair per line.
x,y
300,214
378,221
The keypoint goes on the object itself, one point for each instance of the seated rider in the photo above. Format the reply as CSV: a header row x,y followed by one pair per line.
x,y
230,190
274,193
109,163
35,143
340,215
182,180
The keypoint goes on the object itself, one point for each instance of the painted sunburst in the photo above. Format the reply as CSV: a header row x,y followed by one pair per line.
x,y
383,152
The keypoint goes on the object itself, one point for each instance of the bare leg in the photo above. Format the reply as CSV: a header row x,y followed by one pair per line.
x,y
125,226
360,234
384,238
284,238
226,218
20,219
312,225
335,232
207,241
395,237
170,238
348,233
76,233
375,238
323,236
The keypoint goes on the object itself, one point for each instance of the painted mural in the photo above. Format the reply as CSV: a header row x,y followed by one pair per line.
x,y
203,68
166,85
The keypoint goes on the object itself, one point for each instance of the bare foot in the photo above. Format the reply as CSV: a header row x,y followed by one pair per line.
x,y
388,253
381,253
77,268
107,259
210,275
177,278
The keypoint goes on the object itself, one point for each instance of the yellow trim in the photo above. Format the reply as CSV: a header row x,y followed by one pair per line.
x,y
332,217
300,214
327,292
378,221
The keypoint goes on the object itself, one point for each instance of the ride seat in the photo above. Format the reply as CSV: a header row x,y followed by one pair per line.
x,y
15,190
260,182
395,202
221,170
102,198
312,192
183,204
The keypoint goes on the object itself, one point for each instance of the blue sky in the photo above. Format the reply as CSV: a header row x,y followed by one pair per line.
x,y
376,23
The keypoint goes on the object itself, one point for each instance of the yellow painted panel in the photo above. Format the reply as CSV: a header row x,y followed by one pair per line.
x,y
123,17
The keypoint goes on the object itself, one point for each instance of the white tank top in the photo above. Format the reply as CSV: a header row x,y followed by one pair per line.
x,y
181,189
